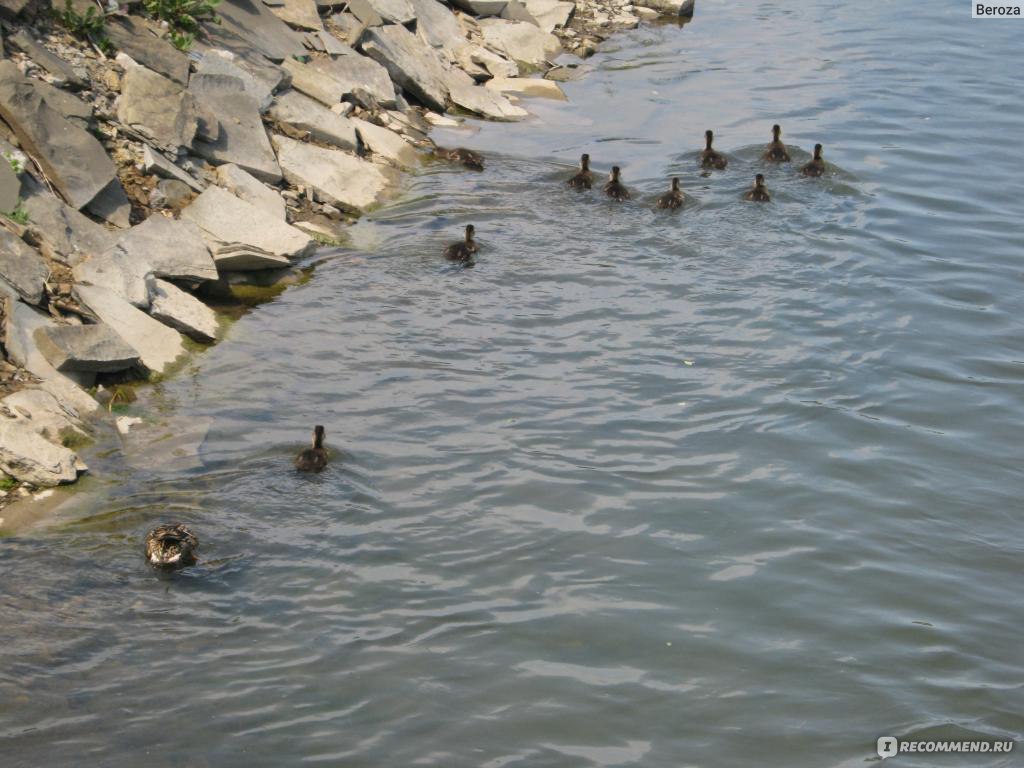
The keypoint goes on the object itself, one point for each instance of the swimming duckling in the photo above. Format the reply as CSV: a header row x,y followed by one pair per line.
x,y
583,178
614,188
673,198
776,151
463,250
711,158
467,157
815,167
759,192
313,459
171,546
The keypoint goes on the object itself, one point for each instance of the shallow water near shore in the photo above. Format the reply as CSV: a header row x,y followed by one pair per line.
x,y
737,485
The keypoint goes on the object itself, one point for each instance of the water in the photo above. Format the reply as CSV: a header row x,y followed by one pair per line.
x,y
738,486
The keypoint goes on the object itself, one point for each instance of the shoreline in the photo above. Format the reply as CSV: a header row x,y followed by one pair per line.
x,y
155,194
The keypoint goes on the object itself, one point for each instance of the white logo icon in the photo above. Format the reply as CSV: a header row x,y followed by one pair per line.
x,y
887,747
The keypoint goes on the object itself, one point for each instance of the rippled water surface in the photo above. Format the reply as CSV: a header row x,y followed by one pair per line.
x,y
735,486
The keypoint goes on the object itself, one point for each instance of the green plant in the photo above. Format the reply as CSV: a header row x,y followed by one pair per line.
x,y
183,16
88,26
19,215
17,163
181,40
7,482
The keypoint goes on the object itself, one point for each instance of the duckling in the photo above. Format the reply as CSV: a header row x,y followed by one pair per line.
x,y
463,250
816,167
776,151
171,546
467,157
673,198
711,158
759,192
583,178
313,459
614,188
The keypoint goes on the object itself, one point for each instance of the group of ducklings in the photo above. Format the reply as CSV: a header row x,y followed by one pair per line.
x,y
710,158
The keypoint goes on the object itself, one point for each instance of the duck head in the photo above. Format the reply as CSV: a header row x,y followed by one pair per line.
x,y
318,436
615,173
776,131
759,181
675,185
584,162
470,231
709,136
817,151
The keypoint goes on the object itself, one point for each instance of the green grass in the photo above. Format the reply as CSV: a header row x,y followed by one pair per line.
x,y
19,215
7,483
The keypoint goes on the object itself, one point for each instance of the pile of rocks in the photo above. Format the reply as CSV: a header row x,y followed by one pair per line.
x,y
132,183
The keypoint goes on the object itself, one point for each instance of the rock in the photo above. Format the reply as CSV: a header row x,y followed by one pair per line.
x,y
67,104
645,14
30,458
514,10
250,189
360,77
117,272
550,14
170,193
158,108
412,64
482,8
466,94
342,109
394,11
364,11
94,348
338,178
45,58
22,268
112,205
182,311
301,112
9,9
314,83
527,87
386,144
298,13
438,27
72,158
43,413
10,187
521,42
125,423
219,62
227,219
253,22
135,37
670,7
21,324
331,44
157,164
497,66
59,231
243,139
158,346
173,248
441,121
239,257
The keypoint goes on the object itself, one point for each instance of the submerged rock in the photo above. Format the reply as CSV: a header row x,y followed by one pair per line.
x,y
527,86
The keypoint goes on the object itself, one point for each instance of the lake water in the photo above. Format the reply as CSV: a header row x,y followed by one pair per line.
x,y
734,486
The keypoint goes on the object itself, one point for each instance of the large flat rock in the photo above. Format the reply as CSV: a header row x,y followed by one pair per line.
x,y
386,144
155,163
252,190
520,41
157,107
438,27
527,86
361,78
22,268
112,205
43,413
314,83
27,456
394,11
167,247
464,92
94,348
158,346
243,139
412,63
10,188
220,62
338,178
136,37
550,14
182,311
253,22
298,13
227,219
72,158
301,112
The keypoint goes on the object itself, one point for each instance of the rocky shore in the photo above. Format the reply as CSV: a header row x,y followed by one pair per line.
x,y
152,168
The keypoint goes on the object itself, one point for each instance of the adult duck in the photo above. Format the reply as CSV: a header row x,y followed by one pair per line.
x,y
464,249
759,192
776,151
816,166
710,157
314,458
584,178
466,157
171,546
614,188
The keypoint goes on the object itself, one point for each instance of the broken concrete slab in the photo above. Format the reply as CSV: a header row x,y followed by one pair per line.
x,y
337,178
298,13
386,144
72,158
301,112
243,139
228,219
137,38
361,78
46,58
527,86
182,311
28,457
94,348
158,346
412,63
520,41
251,189
22,268
155,163
157,107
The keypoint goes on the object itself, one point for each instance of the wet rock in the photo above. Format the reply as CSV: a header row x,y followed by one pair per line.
x,y
155,163
337,178
93,348
72,158
361,78
521,42
394,11
182,311
253,22
301,112
219,62
43,413
10,187
412,63
386,144
30,458
59,231
111,205
158,346
158,108
243,139
527,87
250,189
22,268
550,14
298,13
136,37
45,58
225,218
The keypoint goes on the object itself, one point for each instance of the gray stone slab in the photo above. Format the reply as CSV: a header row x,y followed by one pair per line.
x,y
182,311
28,457
438,27
43,412
111,204
155,163
46,58
253,22
22,267
362,79
67,104
520,41
135,37
386,144
412,63
298,13
10,187
168,247
252,190
157,107
394,11
301,112
219,62
59,231
94,348
315,83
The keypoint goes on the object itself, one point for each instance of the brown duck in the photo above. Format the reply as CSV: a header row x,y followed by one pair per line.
x,y
673,198
712,158
314,458
614,188
776,151
463,250
172,545
466,157
759,192
816,166
584,178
